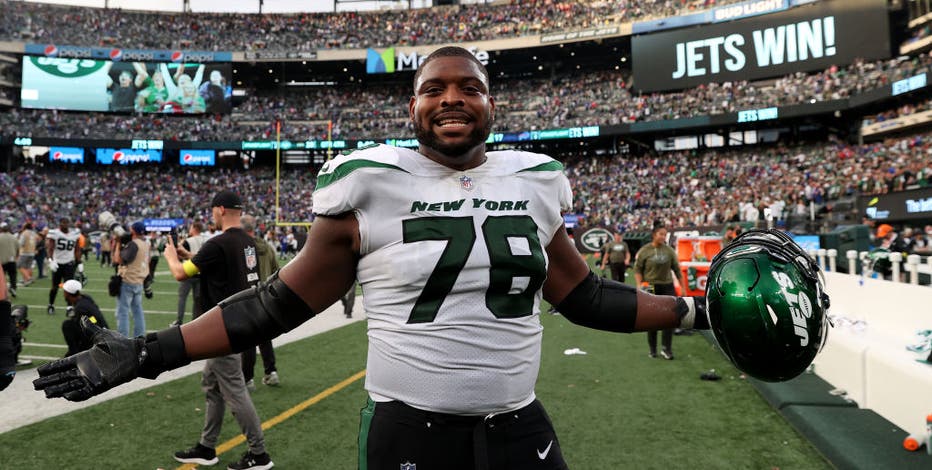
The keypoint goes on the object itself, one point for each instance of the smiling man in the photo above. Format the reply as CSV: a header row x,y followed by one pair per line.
x,y
454,248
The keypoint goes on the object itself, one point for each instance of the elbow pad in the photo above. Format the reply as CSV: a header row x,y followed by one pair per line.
x,y
262,313
602,304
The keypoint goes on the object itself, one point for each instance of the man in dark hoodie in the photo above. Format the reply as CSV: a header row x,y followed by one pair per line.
x,y
267,266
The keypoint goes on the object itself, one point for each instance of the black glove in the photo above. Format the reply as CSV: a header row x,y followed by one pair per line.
x,y
7,348
692,316
113,360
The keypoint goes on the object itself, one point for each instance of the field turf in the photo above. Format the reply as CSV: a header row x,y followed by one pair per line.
x,y
613,407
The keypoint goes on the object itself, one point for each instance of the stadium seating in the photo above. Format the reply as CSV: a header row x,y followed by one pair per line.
x,y
25,21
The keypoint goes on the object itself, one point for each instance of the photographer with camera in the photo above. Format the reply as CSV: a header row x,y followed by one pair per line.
x,y
64,256
79,305
7,334
133,258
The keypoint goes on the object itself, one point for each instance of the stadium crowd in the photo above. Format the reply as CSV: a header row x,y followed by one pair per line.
x,y
366,112
624,192
47,24
691,188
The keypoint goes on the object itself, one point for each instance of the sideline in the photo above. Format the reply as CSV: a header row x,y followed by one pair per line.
x,y
22,405
240,438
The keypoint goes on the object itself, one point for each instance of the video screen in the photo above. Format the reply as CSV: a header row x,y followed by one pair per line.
x,y
125,87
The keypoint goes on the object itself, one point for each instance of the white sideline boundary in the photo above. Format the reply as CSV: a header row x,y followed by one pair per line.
x,y
21,404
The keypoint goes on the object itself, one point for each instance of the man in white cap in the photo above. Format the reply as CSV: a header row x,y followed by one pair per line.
x,y
79,305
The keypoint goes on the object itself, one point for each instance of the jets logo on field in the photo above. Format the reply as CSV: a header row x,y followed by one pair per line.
x,y
466,183
250,253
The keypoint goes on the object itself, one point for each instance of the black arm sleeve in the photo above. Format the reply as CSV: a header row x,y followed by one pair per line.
x,y
7,348
602,304
262,313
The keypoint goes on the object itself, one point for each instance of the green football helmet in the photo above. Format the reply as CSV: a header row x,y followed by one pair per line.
x,y
766,305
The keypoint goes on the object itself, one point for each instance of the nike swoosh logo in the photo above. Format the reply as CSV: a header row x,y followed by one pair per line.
x,y
543,455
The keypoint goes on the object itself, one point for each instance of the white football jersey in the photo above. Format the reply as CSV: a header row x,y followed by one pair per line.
x,y
451,269
64,244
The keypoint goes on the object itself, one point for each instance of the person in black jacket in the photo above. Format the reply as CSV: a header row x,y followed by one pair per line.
x,y
79,305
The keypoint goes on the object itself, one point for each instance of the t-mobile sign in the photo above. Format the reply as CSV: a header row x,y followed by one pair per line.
x,y
807,38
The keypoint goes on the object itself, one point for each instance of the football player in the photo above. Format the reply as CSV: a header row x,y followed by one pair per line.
x,y
454,248
64,255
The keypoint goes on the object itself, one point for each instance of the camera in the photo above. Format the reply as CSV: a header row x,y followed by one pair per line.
x,y
107,221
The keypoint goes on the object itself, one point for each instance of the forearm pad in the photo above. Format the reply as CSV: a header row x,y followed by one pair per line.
x,y
262,313
161,351
602,304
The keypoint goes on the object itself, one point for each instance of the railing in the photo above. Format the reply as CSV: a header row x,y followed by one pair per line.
x,y
914,264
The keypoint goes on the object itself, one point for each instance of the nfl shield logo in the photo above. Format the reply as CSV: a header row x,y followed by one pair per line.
x,y
408,466
466,183
250,253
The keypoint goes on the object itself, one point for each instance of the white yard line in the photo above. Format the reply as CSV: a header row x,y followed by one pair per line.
x,y
22,405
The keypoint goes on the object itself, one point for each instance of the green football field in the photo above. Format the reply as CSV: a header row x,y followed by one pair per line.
x,y
613,407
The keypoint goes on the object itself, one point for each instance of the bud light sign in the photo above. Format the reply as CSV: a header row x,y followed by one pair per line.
x,y
127,156
66,154
197,157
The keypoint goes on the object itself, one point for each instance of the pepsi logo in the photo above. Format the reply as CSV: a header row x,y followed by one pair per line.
x,y
177,56
56,156
117,156
188,157
116,54
51,50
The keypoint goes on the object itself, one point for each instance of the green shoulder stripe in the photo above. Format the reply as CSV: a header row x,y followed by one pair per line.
x,y
326,179
549,166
